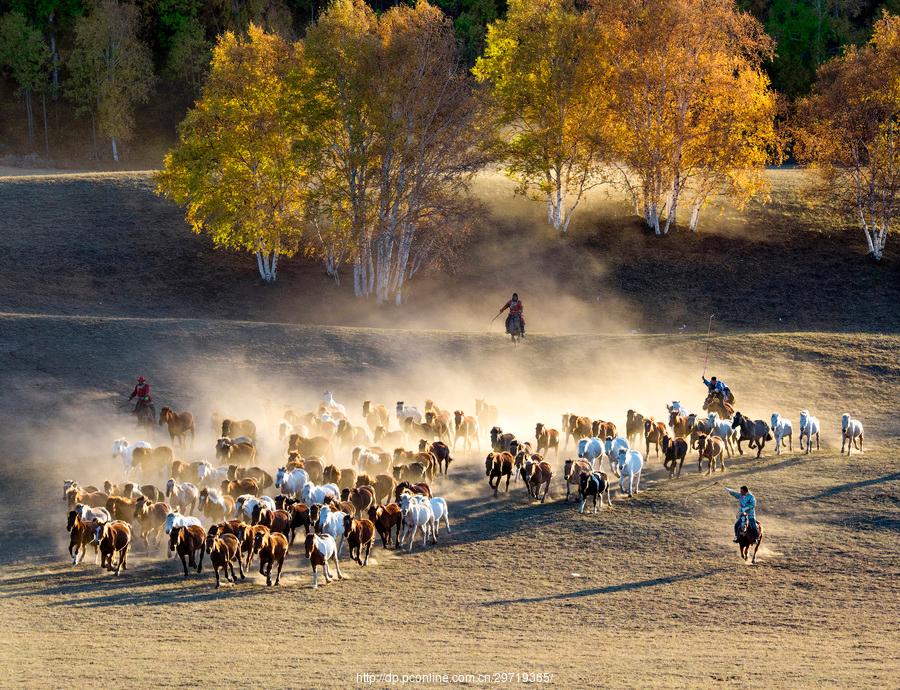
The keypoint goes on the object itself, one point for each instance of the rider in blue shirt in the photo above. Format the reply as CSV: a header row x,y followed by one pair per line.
x,y
748,506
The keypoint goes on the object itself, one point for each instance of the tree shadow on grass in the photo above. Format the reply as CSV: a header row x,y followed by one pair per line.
x,y
610,589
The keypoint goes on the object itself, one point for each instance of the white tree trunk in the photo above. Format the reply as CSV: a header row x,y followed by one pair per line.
x,y
266,262
115,150
695,217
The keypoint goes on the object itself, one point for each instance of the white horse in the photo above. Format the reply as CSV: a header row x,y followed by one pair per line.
x,y
722,429
316,493
291,483
211,477
614,446
176,519
809,427
439,509
591,449
630,465
87,514
215,497
417,514
405,412
325,545
332,404
331,522
851,433
245,503
184,496
122,449
677,408
782,428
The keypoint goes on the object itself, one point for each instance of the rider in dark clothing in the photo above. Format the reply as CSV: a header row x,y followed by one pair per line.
x,y
515,309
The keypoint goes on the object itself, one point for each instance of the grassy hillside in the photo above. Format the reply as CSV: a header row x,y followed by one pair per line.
x,y
104,244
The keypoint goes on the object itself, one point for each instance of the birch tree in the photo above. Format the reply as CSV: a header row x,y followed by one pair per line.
x,y
27,58
401,134
849,133
548,76
671,58
234,168
111,69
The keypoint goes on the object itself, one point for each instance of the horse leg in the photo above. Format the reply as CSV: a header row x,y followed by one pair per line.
x,y
184,564
507,482
278,574
200,561
759,446
216,571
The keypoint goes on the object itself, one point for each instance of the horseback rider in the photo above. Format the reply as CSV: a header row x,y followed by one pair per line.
x,y
142,393
719,388
515,309
748,507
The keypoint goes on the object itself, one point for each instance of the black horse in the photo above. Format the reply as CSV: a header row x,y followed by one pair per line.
x,y
750,534
514,327
755,432
675,450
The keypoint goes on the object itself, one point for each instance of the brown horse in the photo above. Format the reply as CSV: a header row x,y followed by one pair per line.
x,y
572,473
498,465
224,550
546,439
113,539
376,415
232,428
360,534
467,430
715,403
420,488
272,547
187,542
487,414
634,425
653,433
712,448
674,452
538,474
576,428
749,535
386,518
179,424
601,429
681,424
80,535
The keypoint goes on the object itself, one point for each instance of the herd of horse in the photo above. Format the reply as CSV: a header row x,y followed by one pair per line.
x,y
234,510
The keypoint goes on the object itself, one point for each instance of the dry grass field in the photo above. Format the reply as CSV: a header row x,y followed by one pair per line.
x,y
650,593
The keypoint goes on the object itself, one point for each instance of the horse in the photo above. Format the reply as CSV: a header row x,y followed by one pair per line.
x,y
113,539
122,448
538,473
711,448
749,535
487,414
674,452
573,471
223,551
721,428
715,403
851,433
546,439
376,415
184,495
602,429
809,427
782,428
152,518
387,518
612,447
680,424
406,487
329,521
272,547
756,433
634,425
320,548
291,483
232,428
502,442
440,512
466,428
441,453
593,484
576,427
498,465
81,534
417,514
591,449
179,424
186,542
653,433
316,493
360,534
630,465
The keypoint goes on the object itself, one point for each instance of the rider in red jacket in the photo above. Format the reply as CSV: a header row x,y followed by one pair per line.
x,y
141,392
515,309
